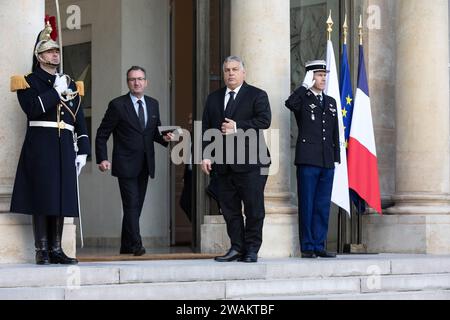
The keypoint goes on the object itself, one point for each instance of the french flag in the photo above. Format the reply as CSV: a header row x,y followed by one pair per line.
x,y
362,154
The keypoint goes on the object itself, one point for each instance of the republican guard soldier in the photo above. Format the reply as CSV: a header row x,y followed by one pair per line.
x,y
317,151
54,151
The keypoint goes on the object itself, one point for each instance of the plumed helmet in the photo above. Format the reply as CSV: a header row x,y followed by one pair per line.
x,y
46,39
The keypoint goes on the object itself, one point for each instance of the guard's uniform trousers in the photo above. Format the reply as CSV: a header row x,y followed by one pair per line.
x,y
317,151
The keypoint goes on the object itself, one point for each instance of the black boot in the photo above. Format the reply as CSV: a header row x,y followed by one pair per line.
x,y
41,240
57,255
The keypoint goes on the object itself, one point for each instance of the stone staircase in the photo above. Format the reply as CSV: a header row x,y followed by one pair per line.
x,y
398,277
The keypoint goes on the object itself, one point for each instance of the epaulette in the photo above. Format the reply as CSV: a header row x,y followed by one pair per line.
x,y
80,88
19,83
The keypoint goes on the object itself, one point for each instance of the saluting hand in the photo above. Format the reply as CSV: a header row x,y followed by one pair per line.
x,y
309,81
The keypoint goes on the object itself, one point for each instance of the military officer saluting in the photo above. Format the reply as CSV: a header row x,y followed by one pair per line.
x,y
317,152
54,151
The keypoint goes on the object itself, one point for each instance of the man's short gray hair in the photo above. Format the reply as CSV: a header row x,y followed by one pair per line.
x,y
234,59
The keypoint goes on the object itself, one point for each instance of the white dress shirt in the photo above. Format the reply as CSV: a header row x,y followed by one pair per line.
x,y
227,95
227,98
136,106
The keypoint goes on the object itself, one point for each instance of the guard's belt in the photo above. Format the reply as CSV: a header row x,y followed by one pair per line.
x,y
48,124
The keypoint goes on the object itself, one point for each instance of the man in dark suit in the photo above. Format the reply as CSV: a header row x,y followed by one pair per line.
x,y
236,112
133,119
317,151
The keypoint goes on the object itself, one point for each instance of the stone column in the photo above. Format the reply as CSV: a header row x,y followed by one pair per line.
x,y
260,34
420,220
20,22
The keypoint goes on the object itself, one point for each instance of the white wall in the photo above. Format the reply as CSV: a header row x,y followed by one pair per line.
x,y
16,235
16,59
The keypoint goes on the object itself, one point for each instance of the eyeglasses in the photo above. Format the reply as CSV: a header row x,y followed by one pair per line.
x,y
136,79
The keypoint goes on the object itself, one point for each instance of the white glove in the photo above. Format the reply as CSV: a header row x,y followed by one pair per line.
x,y
61,85
309,81
80,162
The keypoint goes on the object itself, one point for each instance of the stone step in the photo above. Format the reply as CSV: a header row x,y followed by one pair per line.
x,y
57,276
422,282
12,276
339,285
235,289
359,276
153,291
410,295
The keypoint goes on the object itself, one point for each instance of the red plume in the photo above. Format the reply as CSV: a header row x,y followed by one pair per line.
x,y
52,20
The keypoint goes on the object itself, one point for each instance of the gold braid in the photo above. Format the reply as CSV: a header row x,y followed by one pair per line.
x,y
74,115
70,111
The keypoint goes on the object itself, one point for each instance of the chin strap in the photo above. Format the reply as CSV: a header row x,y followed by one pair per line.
x,y
47,63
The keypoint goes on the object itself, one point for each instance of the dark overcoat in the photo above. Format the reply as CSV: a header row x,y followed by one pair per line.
x,y
46,179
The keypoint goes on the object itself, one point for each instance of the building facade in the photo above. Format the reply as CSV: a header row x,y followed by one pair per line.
x,y
182,43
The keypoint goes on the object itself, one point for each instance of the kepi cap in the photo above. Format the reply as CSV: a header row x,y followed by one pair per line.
x,y
317,65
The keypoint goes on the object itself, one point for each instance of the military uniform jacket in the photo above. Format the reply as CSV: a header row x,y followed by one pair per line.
x,y
318,129
46,181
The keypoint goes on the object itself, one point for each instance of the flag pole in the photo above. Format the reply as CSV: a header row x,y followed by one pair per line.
x,y
330,24
329,31
342,215
361,33
359,222
340,182
345,28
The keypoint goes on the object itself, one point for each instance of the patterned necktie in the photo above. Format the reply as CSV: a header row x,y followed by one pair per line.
x,y
141,114
230,104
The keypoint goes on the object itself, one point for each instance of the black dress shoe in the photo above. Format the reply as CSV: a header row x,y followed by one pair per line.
x,y
250,258
308,255
126,251
42,257
139,252
325,254
59,257
231,255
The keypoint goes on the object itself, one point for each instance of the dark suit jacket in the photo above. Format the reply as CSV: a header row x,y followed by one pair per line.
x,y
318,129
251,111
131,143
